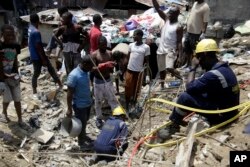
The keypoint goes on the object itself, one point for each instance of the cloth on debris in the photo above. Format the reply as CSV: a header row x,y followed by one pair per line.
x,y
243,29
121,47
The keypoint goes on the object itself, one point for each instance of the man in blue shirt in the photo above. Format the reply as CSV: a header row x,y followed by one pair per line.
x,y
79,97
37,54
216,89
113,137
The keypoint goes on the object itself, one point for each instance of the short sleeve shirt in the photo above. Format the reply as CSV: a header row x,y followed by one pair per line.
x,y
94,35
79,81
199,14
34,38
10,52
137,56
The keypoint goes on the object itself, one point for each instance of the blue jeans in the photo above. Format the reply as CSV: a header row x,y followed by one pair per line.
x,y
83,115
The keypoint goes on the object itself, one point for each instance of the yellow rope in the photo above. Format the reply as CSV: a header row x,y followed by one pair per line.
x,y
245,107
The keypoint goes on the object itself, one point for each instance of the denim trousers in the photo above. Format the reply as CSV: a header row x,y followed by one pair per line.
x,y
83,115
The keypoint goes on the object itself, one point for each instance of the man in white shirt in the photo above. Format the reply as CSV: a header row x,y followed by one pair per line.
x,y
196,28
138,57
170,45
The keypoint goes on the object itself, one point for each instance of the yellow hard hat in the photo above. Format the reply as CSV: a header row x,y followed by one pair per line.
x,y
118,111
207,45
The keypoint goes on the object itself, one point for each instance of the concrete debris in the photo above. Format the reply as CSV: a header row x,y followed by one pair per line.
x,y
222,139
32,105
42,135
45,110
155,154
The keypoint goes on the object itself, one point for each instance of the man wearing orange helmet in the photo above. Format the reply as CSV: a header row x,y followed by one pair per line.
x,y
216,89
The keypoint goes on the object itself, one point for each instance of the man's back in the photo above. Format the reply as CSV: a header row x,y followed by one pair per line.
x,y
218,85
34,39
199,14
94,34
110,132
79,80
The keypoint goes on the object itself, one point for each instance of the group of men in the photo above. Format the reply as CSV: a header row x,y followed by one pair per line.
x,y
216,89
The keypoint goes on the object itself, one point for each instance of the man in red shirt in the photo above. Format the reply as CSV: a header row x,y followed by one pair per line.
x,y
95,32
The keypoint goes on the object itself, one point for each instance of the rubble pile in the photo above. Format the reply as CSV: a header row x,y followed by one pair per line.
x,y
40,142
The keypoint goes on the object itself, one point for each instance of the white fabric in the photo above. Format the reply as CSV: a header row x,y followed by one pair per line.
x,y
101,92
137,56
166,61
198,16
168,40
121,47
70,47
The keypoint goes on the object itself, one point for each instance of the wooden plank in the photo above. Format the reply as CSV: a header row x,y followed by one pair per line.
x,y
185,149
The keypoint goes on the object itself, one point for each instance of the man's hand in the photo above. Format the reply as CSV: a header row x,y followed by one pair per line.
x,y
107,65
180,60
202,36
69,113
195,63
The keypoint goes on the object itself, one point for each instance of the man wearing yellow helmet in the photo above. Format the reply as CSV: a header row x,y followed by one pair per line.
x,y
113,137
216,89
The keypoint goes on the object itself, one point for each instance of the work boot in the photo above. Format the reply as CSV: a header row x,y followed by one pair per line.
x,y
165,133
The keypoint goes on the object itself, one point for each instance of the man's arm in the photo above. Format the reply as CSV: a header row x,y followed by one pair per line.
x,y
204,29
194,65
15,65
159,11
147,54
71,83
39,47
57,34
70,93
93,58
179,50
124,132
205,20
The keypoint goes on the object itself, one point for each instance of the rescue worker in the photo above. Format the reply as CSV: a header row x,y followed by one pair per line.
x,y
113,137
216,89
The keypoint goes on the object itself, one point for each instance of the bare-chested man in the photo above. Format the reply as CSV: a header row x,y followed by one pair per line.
x,y
103,86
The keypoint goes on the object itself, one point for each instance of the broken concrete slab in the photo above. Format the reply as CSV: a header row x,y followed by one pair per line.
x,y
155,154
222,139
42,135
